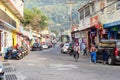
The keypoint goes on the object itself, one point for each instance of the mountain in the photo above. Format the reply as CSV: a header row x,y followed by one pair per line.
x,y
57,11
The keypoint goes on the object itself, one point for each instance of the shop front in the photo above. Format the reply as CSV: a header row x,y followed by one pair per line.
x,y
111,30
8,36
94,31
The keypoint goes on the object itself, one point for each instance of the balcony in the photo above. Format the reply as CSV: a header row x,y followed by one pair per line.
x,y
16,6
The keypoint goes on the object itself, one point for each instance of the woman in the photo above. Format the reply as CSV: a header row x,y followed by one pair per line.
x,y
76,52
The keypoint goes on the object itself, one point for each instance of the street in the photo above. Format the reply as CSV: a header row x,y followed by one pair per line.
x,y
50,64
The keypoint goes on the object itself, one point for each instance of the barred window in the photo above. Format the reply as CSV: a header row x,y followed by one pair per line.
x,y
118,5
81,14
87,11
93,7
7,18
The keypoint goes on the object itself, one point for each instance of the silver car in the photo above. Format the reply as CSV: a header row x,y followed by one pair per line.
x,y
65,47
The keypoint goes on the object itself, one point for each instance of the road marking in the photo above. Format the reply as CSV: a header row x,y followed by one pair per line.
x,y
30,64
41,59
63,66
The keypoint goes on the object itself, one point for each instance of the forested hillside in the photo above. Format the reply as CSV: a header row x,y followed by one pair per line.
x,y
57,11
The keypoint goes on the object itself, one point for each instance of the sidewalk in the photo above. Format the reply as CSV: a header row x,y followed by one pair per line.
x,y
9,71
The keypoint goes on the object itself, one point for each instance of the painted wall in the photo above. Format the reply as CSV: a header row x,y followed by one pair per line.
x,y
10,13
16,19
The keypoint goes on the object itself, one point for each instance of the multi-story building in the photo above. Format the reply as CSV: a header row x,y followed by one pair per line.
x,y
99,20
11,15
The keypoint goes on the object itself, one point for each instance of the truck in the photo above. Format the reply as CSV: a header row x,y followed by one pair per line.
x,y
113,51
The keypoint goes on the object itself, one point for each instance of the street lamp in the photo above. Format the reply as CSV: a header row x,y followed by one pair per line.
x,y
70,4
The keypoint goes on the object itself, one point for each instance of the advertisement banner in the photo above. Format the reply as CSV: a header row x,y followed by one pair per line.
x,y
94,20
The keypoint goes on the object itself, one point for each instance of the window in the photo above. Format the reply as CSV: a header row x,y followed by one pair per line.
x,y
118,5
7,18
87,11
93,7
81,14
109,1
111,8
5,39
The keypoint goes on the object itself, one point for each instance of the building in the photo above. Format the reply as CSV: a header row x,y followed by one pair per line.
x,y
11,15
99,20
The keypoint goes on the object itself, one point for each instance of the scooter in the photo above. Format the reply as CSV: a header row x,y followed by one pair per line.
x,y
12,53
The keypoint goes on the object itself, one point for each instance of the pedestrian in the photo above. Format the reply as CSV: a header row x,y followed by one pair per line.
x,y
76,52
85,52
93,54
82,46
105,56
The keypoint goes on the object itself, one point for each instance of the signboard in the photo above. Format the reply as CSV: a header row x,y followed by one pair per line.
x,y
111,24
94,20
77,35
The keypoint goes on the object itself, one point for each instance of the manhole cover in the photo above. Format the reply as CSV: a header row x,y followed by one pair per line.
x,y
6,64
8,69
11,77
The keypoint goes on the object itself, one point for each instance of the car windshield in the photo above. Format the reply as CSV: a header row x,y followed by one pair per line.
x,y
66,44
36,44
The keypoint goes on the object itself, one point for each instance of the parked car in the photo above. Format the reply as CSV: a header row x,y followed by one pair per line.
x,y
49,44
44,46
65,47
113,51
36,46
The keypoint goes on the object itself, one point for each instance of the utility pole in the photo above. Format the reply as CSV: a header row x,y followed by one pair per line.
x,y
70,3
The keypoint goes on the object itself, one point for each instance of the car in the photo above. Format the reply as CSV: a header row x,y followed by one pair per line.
x,y
49,44
65,47
36,46
44,46
113,51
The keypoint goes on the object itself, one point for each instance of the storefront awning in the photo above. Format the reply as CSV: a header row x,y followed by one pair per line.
x,y
7,25
108,25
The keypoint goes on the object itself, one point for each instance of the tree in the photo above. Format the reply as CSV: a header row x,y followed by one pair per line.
x,y
34,19
55,31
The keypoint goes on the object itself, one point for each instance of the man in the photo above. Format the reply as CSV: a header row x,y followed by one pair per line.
x,y
93,54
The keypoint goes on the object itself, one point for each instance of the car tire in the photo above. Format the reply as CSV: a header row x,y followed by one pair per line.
x,y
110,61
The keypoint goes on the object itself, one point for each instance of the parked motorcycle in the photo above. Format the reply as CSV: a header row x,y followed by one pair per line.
x,y
13,53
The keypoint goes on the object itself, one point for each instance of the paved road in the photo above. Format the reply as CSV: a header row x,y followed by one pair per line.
x,y
50,64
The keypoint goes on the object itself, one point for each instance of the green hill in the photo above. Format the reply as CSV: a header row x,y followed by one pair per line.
x,y
57,11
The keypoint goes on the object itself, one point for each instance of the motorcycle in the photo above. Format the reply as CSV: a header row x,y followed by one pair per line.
x,y
13,53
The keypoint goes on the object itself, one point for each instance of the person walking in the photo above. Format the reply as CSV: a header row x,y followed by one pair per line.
x,y
76,52
85,52
93,54
82,46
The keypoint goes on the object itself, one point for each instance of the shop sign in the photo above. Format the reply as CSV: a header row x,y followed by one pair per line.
x,y
77,35
111,24
94,22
